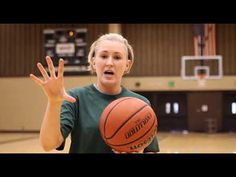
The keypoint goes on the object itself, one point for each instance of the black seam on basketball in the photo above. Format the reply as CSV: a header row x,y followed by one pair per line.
x,y
125,122
125,98
135,139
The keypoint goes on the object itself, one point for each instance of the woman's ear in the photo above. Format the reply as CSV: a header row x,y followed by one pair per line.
x,y
128,66
92,64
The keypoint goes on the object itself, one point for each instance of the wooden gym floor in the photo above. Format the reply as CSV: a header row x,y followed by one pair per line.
x,y
170,142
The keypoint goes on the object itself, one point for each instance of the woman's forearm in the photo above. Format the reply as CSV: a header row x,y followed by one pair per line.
x,y
50,133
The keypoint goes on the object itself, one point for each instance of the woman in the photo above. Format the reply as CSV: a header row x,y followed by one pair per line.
x,y
78,113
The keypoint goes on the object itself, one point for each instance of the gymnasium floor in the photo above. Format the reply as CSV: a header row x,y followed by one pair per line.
x,y
170,142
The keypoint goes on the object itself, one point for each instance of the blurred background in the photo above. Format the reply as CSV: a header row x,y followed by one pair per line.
x,y
187,71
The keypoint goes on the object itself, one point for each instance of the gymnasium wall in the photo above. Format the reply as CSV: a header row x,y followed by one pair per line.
x,y
158,49
22,45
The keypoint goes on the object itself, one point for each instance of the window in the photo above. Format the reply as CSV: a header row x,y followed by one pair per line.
x,y
168,108
172,108
176,107
233,108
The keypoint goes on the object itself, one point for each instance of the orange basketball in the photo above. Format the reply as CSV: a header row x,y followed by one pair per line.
x,y
128,124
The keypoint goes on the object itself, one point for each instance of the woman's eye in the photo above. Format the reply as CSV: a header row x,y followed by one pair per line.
x,y
103,56
117,57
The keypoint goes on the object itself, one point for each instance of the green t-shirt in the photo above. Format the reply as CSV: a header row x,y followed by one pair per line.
x,y
81,119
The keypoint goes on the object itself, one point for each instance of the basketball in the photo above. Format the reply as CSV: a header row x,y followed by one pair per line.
x,y
128,124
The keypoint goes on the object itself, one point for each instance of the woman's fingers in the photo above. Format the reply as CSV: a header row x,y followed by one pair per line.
x,y
52,85
135,152
61,68
51,67
43,71
118,152
36,80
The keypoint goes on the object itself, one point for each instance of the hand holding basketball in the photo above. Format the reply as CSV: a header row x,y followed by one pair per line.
x,y
117,152
128,124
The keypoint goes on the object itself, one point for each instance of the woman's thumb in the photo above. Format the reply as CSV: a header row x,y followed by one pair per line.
x,y
69,98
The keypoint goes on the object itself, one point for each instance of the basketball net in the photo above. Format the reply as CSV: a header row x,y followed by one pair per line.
x,y
201,80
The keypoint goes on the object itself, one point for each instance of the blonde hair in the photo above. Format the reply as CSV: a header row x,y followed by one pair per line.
x,y
111,37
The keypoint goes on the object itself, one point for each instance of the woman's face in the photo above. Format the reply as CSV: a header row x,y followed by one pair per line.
x,y
110,63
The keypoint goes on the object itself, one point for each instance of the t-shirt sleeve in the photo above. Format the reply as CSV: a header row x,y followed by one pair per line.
x,y
67,117
153,147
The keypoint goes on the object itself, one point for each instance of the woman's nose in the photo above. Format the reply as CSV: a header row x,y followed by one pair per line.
x,y
109,61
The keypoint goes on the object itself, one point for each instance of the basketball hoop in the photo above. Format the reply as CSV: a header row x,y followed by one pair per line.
x,y
201,80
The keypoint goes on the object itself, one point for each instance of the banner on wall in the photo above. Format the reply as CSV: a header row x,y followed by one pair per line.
x,y
204,40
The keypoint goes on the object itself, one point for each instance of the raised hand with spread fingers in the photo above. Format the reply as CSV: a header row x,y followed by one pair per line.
x,y
53,86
